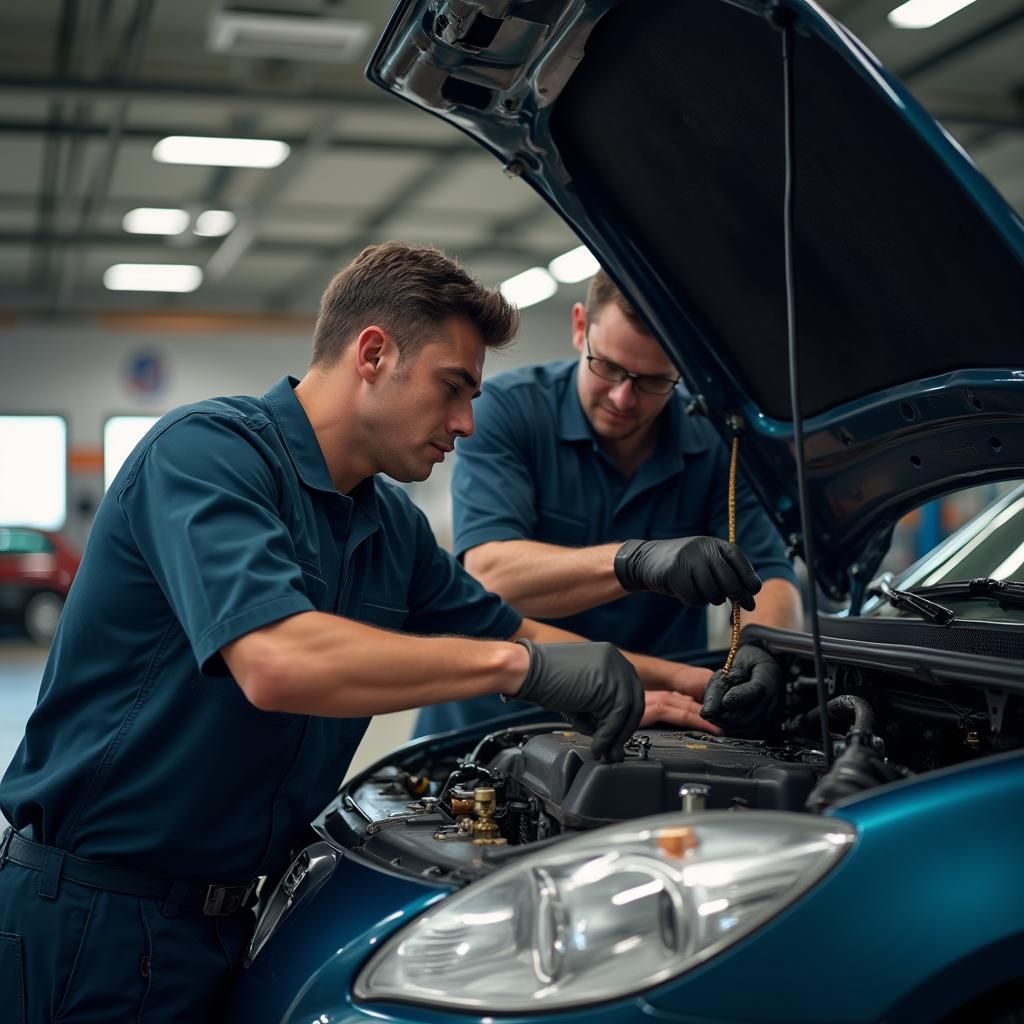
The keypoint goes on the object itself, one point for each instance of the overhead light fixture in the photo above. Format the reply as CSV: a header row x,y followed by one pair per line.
x,y
925,13
528,288
152,277
152,220
243,32
574,265
214,223
215,152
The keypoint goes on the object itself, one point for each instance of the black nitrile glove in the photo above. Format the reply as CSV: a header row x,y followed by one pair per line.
x,y
594,685
857,769
743,702
697,570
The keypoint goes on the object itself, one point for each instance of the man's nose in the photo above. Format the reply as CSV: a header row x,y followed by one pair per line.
x,y
623,394
461,424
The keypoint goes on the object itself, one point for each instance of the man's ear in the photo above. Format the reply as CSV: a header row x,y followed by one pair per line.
x,y
374,352
579,325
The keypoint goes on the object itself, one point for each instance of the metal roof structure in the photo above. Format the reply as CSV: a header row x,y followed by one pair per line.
x,y
88,87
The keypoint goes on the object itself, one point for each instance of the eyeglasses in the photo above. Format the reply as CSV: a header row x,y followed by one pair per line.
x,y
646,383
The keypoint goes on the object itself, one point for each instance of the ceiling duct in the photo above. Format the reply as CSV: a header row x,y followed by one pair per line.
x,y
296,33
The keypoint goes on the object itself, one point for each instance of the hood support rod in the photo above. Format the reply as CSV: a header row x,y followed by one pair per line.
x,y
783,19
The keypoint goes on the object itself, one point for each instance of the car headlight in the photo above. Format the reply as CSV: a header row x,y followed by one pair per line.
x,y
606,913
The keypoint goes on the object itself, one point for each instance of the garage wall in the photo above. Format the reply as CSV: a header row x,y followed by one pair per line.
x,y
83,372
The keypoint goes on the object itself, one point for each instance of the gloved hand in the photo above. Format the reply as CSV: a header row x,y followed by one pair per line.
x,y
743,702
697,570
594,685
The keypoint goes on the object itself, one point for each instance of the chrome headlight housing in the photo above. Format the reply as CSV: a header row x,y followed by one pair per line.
x,y
606,913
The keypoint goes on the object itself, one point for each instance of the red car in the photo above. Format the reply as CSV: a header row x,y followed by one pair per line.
x,y
36,570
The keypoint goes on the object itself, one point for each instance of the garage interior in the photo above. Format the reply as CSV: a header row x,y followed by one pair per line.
x,y
89,91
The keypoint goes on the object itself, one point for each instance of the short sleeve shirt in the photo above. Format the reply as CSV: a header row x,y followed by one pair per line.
x,y
534,470
142,749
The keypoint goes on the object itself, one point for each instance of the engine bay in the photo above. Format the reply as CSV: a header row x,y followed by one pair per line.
x,y
440,809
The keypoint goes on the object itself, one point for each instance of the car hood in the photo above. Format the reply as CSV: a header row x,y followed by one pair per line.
x,y
655,129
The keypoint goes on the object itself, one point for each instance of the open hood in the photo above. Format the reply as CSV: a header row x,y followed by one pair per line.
x,y
655,128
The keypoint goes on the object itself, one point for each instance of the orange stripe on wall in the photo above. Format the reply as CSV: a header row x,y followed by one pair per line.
x,y
85,460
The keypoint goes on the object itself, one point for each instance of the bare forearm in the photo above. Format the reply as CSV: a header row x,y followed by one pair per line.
x,y
778,605
546,580
317,664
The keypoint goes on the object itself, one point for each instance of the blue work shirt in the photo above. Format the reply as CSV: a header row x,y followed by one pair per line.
x,y
535,470
143,750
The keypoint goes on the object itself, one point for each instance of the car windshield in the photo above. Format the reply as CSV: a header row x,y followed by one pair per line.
x,y
990,546
23,542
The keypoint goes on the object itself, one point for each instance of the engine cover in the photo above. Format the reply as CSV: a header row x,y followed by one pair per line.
x,y
556,768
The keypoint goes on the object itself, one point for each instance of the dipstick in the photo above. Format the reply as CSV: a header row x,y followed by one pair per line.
x,y
735,642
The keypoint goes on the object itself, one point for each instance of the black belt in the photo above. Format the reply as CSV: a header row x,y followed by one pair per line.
x,y
213,900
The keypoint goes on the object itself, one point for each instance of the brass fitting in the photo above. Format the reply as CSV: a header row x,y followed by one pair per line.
x,y
485,831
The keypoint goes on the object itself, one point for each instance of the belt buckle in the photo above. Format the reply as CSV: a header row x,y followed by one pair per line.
x,y
222,900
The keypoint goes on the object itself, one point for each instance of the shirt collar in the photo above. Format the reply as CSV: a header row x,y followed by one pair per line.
x,y
573,424
304,448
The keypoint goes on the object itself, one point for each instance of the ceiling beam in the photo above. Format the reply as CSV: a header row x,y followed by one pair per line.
x,y
962,46
130,50
112,90
203,247
46,201
273,186
149,133
312,280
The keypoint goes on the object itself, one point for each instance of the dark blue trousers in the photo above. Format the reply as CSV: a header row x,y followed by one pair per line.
x,y
87,956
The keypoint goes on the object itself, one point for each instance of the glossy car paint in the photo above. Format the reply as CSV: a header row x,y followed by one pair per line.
x,y
925,913
326,935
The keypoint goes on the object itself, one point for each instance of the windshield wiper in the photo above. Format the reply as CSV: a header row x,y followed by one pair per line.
x,y
908,602
1003,591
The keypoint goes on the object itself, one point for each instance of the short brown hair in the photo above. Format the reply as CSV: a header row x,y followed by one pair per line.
x,y
400,288
601,291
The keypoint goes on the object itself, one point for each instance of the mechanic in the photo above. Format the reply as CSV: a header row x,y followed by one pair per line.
x,y
250,593
583,482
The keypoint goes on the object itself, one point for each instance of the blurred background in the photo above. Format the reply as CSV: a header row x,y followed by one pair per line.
x,y
179,181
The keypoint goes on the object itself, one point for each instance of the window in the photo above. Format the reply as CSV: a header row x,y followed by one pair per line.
x,y
33,471
23,542
120,435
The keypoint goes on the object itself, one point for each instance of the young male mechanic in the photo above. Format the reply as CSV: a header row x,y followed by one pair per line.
x,y
579,480
249,594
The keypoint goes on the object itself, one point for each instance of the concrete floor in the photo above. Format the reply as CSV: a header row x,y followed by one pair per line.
x,y
21,669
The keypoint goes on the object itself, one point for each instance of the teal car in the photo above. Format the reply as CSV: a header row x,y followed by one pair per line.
x,y
790,222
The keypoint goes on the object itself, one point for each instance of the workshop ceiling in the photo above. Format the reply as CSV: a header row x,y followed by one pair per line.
x,y
87,88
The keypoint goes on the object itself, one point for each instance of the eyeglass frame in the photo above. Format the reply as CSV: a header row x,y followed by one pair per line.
x,y
634,378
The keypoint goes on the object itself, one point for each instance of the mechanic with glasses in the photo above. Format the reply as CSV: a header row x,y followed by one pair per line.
x,y
587,496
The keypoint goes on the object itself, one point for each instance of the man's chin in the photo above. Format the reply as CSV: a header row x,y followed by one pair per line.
x,y
618,426
408,474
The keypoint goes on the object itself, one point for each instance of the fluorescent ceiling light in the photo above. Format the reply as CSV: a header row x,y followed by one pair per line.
x,y
528,288
210,152
925,13
574,265
152,277
277,34
214,223
150,220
